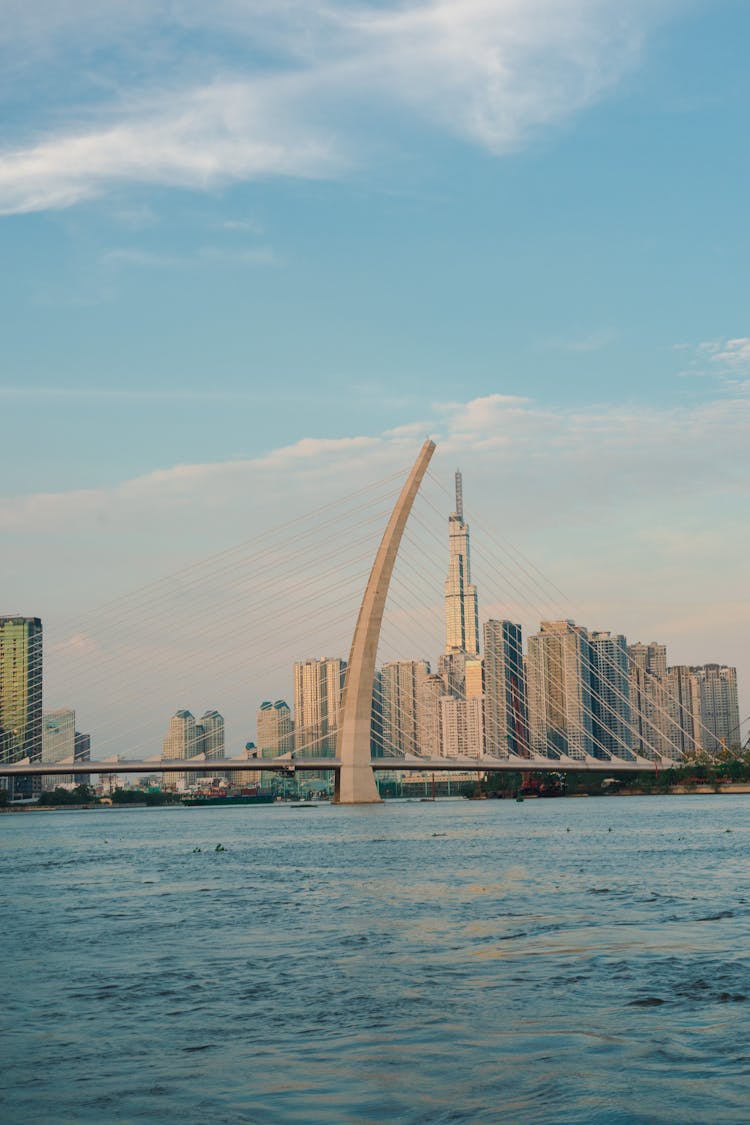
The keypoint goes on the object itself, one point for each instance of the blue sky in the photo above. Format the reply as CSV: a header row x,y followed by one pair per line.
x,y
520,225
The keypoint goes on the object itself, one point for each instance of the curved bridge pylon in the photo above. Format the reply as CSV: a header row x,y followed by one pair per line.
x,y
355,780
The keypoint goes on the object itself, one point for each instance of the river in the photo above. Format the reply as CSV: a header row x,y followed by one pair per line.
x,y
552,961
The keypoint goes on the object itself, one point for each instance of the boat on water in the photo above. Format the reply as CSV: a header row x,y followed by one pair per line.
x,y
239,799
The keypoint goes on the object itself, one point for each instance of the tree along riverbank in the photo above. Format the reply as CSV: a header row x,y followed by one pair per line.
x,y
728,774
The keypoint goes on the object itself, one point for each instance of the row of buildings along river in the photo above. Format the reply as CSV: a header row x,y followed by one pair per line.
x,y
570,691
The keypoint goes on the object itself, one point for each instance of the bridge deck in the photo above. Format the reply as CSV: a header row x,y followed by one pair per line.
x,y
288,764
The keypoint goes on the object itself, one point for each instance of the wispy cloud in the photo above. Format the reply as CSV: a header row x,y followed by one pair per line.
x,y
576,461
492,72
726,359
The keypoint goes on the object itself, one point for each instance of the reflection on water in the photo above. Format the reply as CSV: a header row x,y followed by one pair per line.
x,y
551,961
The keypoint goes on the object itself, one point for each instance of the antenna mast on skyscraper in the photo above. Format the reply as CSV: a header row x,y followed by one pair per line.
x,y
459,496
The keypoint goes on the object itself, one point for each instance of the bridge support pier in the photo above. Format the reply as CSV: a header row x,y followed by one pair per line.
x,y
355,780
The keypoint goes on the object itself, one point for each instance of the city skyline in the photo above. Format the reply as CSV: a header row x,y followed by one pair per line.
x,y
468,688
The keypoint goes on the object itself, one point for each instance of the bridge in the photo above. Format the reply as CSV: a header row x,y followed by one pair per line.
x,y
288,764
353,764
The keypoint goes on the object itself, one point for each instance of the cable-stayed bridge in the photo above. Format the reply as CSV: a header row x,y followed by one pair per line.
x,y
301,585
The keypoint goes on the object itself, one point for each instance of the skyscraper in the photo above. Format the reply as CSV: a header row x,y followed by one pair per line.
x,y
559,690
648,708
275,729
211,740
275,733
461,608
399,687
429,729
181,741
506,722
682,702
318,685
610,695
82,753
719,716
58,744
21,696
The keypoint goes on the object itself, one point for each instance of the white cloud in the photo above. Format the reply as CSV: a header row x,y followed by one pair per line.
x,y
734,354
490,71
207,137
584,458
725,358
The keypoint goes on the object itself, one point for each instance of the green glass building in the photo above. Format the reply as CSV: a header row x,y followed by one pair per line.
x,y
21,695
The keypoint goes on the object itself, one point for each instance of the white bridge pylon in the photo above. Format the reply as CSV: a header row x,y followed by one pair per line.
x,y
355,780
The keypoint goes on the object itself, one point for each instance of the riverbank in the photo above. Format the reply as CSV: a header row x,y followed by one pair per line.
x,y
729,789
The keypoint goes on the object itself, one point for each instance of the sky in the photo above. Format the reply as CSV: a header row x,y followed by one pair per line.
x,y
253,252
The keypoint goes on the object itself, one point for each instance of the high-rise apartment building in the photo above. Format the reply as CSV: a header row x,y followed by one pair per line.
x,y
682,704
612,730
461,608
719,712
652,657
452,669
429,729
506,723
58,744
275,733
275,729
21,697
210,735
240,779
318,685
559,690
82,753
181,741
453,727
398,685
648,709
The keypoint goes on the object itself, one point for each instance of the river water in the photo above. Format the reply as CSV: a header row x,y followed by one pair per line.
x,y
458,961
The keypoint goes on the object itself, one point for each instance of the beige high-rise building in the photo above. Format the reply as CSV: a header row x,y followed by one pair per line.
x,y
181,741
505,709
275,729
398,685
559,690
652,657
318,685
648,704
210,734
453,727
475,726
429,731
473,678
682,703
719,712
461,607
275,733
248,778
462,727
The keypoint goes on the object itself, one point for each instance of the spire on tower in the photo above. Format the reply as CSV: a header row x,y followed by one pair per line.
x,y
459,496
